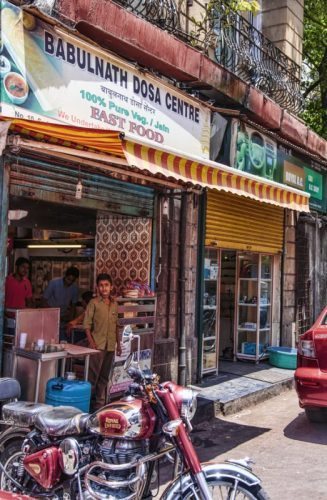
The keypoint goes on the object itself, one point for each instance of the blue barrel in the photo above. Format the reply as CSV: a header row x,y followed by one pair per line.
x,y
63,392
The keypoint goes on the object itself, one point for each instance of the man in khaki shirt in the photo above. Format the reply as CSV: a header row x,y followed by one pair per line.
x,y
101,327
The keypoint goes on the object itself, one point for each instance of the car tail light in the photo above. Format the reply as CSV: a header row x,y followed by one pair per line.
x,y
307,348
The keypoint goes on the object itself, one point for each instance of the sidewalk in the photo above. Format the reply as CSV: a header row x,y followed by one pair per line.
x,y
239,385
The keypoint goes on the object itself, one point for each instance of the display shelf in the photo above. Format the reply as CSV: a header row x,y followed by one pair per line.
x,y
251,356
242,329
210,305
254,298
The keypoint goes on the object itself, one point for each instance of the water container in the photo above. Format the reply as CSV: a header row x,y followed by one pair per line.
x,y
63,392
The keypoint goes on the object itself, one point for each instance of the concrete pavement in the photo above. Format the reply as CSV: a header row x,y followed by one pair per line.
x,y
239,385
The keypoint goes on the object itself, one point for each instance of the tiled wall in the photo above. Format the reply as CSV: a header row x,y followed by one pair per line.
x,y
123,248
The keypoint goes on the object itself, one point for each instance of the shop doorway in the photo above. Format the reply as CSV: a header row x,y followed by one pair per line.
x,y
227,304
237,306
218,318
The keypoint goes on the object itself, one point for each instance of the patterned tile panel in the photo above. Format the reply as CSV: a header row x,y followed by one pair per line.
x,y
123,248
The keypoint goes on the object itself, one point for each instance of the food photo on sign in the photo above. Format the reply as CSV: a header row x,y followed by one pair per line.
x,y
67,80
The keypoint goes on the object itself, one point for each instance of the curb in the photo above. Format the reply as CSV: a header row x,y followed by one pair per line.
x,y
209,409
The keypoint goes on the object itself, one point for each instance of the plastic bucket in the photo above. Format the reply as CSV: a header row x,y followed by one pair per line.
x,y
283,357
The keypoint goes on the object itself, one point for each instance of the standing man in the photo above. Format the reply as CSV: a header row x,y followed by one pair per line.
x,y
101,328
63,293
18,291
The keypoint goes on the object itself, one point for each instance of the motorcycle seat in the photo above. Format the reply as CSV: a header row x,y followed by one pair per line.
x,y
9,389
62,421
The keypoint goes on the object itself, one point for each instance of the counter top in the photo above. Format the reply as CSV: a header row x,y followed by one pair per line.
x,y
43,356
70,350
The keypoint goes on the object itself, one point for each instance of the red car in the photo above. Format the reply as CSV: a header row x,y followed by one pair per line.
x,y
311,373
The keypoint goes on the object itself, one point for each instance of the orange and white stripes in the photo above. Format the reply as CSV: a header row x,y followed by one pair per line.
x,y
220,178
166,163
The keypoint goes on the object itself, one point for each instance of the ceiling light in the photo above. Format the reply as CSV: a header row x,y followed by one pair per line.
x,y
56,245
79,190
17,214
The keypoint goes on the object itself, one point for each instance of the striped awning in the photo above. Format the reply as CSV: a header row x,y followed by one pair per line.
x,y
211,175
85,139
166,162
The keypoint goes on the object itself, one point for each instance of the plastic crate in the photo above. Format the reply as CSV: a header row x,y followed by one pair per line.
x,y
249,348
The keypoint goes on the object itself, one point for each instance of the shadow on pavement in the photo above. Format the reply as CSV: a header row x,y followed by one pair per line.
x,y
212,438
300,429
219,436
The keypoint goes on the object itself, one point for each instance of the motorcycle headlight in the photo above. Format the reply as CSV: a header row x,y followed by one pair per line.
x,y
189,403
184,397
69,457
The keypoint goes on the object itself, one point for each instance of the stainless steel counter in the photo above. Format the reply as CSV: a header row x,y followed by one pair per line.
x,y
70,351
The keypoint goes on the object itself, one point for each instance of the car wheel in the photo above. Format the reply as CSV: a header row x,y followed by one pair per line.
x,y
316,415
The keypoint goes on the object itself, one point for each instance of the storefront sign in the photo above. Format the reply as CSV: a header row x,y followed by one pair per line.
x,y
298,175
50,75
313,183
256,153
253,152
293,175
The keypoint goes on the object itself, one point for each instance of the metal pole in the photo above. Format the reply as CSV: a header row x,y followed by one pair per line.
x,y
282,270
200,279
182,336
4,199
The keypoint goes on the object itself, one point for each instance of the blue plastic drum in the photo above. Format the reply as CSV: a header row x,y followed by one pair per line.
x,y
63,392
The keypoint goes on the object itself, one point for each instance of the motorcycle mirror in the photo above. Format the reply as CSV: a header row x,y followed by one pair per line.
x,y
127,335
128,362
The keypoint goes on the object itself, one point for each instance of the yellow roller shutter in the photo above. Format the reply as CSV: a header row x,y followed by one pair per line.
x,y
240,223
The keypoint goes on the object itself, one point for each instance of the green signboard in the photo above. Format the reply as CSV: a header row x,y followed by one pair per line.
x,y
313,183
258,154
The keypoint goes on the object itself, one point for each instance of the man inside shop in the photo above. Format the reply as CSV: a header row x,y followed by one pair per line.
x,y
18,288
63,293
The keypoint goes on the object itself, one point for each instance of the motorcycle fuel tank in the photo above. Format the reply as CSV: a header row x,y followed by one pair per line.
x,y
128,418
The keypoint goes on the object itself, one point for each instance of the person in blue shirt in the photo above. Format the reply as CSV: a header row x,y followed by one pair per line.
x,y
63,293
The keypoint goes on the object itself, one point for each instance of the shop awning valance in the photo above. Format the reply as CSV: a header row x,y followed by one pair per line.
x,y
211,175
106,141
166,162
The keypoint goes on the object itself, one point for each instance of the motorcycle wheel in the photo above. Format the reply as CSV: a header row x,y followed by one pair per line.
x,y
223,489
11,454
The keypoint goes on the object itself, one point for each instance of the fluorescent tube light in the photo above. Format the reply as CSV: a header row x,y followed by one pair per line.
x,y
56,245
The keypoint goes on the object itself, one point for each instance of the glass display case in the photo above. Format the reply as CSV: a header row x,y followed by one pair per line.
x,y
254,300
210,302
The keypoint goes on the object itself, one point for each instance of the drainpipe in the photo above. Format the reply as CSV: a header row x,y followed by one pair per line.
x,y
4,199
282,269
200,280
182,336
315,274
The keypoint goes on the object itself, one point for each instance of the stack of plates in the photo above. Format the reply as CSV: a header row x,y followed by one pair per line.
x,y
131,294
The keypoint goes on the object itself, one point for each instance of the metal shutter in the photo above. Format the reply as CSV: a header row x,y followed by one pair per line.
x,y
236,222
39,180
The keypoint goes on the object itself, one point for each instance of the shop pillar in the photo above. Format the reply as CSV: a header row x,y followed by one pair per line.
x,y
288,286
4,200
176,288
311,275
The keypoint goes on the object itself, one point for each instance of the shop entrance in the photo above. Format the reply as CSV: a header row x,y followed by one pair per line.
x,y
237,306
61,216
227,304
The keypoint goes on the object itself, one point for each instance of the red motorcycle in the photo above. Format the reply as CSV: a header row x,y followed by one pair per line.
x,y
115,453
